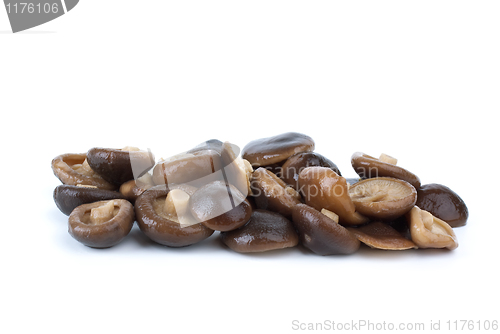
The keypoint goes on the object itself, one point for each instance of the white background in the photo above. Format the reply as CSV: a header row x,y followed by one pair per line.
x,y
416,80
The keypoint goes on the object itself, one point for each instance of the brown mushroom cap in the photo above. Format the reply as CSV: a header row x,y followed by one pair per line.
x,y
443,203
383,198
160,229
381,236
264,231
296,163
271,150
220,207
321,234
322,188
103,234
197,168
71,169
118,166
68,197
271,193
367,167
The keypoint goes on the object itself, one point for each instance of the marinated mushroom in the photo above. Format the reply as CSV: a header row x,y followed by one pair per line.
x,y
272,150
296,163
134,188
383,198
428,231
322,188
119,166
443,203
264,231
155,221
321,234
381,236
101,224
73,169
68,197
271,193
197,168
367,167
220,206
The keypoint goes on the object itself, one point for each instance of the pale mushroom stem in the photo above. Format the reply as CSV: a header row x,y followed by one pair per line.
x,y
102,213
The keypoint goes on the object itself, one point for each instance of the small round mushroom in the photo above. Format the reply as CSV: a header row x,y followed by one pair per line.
x,y
155,221
383,198
272,150
443,203
220,206
428,231
271,193
119,166
381,236
296,163
264,231
368,167
321,234
101,224
68,197
322,188
73,169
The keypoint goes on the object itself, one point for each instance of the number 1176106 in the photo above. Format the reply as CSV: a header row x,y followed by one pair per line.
x,y
32,8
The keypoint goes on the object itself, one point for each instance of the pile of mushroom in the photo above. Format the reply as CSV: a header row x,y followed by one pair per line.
x,y
277,194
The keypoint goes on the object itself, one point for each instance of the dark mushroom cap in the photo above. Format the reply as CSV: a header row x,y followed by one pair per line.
x,y
118,166
381,236
271,150
220,207
65,168
68,197
367,167
101,235
322,188
383,198
160,229
296,163
271,193
264,231
321,234
444,203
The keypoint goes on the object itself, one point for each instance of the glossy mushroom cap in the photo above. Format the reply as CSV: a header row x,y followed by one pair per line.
x,y
101,224
68,197
264,231
220,207
271,150
156,225
443,203
271,193
367,167
381,236
119,166
383,198
295,164
322,188
73,169
321,234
